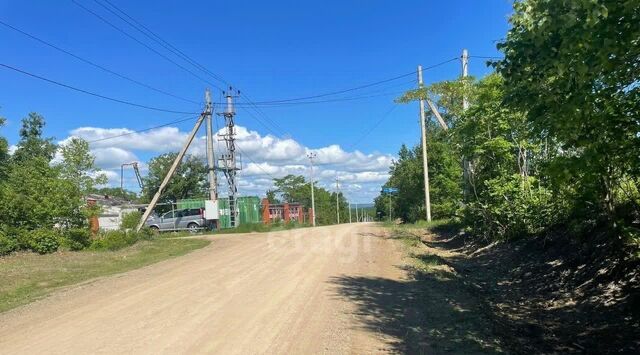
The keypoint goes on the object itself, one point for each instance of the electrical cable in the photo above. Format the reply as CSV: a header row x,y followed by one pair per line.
x,y
144,44
257,164
93,93
484,57
168,46
358,87
190,118
96,65
373,127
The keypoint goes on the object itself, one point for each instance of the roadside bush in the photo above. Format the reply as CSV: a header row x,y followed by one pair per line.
x,y
76,238
130,220
43,241
114,240
145,233
7,244
510,208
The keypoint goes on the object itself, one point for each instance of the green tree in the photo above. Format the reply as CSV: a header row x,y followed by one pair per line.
x,y
573,67
78,166
294,188
189,180
32,144
35,196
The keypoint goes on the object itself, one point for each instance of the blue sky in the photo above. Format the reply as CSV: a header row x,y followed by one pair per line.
x,y
270,50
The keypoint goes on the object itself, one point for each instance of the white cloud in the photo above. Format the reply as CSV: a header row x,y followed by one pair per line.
x,y
263,157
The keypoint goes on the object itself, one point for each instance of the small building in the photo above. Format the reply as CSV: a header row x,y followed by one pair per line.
x,y
112,209
285,212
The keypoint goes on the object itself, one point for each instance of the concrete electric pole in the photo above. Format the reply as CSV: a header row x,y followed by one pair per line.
x,y
213,193
357,219
465,73
311,156
425,164
349,212
466,164
337,201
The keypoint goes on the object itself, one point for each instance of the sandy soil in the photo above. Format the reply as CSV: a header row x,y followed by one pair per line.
x,y
281,292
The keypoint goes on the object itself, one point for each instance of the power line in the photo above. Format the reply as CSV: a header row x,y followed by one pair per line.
x,y
374,126
168,46
257,164
92,93
190,118
484,57
144,44
358,87
353,98
95,65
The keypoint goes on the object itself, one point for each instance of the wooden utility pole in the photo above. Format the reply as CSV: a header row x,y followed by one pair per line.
x,y
425,164
349,212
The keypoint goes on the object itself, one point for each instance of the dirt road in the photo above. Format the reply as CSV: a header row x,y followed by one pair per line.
x,y
299,291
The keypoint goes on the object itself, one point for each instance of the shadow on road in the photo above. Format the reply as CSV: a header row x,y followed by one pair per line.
x,y
428,314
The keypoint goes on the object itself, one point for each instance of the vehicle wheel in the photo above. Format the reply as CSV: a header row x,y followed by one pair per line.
x,y
193,228
155,229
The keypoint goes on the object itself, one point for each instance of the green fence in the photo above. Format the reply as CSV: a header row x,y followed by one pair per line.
x,y
249,208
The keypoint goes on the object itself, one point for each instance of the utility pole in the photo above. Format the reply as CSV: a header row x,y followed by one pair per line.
x,y
228,160
465,73
357,218
389,208
425,164
311,156
172,170
213,193
466,165
349,212
337,201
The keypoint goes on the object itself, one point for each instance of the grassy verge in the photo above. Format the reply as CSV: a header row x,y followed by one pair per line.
x,y
25,277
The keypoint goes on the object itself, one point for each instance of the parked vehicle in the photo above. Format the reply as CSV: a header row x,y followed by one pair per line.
x,y
191,219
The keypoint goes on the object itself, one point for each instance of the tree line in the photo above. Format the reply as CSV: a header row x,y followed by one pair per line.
x,y
43,187
550,140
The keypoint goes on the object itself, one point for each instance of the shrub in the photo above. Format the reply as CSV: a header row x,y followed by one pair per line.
x,y
511,208
130,220
43,241
145,233
7,244
114,240
76,238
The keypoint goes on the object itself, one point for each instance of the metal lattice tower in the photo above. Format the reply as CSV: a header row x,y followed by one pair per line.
x,y
228,161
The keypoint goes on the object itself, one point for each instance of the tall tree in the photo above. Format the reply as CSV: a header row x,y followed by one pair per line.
x,y
32,144
189,180
573,66
78,166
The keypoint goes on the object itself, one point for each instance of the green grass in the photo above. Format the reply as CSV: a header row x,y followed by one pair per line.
x,y
25,277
